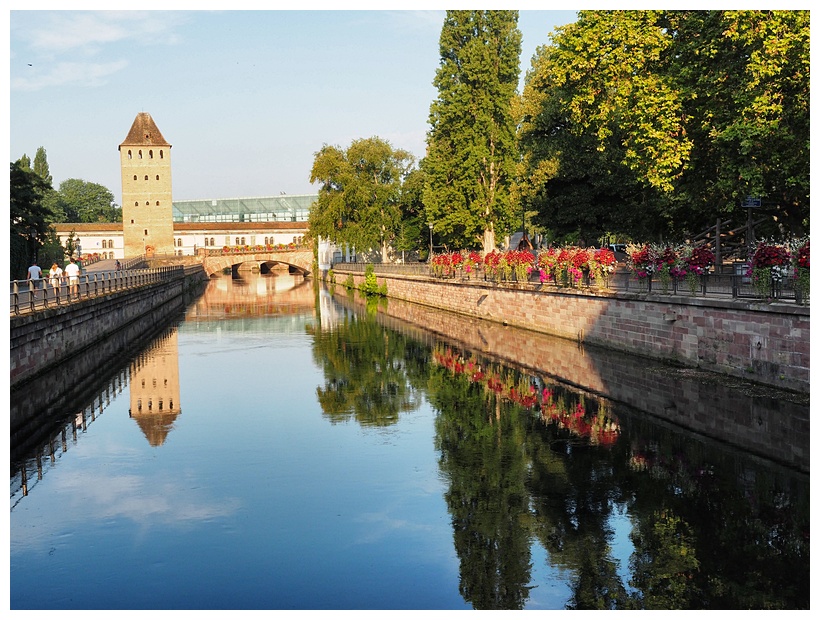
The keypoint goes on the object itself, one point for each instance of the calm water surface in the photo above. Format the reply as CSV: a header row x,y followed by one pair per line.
x,y
278,449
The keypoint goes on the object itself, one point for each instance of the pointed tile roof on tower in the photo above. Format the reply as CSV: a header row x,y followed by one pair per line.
x,y
144,131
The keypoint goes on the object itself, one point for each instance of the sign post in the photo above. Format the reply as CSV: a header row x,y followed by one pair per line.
x,y
749,203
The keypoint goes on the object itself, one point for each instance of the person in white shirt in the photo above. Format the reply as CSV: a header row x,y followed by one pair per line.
x,y
72,270
55,274
34,275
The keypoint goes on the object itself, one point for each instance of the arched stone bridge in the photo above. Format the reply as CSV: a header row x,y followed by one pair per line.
x,y
301,260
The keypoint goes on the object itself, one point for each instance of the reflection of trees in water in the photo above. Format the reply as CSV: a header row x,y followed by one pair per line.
x,y
529,461
710,528
481,456
368,372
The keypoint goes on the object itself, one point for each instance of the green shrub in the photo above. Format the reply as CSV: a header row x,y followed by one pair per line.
x,y
370,286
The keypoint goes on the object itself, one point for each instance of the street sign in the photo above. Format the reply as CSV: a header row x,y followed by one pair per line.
x,y
752,202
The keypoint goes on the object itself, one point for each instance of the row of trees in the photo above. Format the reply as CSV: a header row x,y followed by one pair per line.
x,y
35,205
643,125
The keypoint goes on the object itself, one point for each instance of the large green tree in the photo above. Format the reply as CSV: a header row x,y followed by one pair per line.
x,y
471,144
82,201
654,123
359,200
746,75
601,127
41,165
29,217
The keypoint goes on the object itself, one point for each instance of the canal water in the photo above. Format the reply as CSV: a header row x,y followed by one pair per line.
x,y
287,446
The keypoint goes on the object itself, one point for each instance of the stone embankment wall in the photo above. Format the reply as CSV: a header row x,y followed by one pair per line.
x,y
42,340
715,406
763,342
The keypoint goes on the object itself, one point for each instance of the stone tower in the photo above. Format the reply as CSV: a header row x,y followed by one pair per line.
x,y
147,215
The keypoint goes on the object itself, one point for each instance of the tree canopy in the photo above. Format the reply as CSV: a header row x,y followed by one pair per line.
x,y
359,201
654,123
28,217
471,144
82,201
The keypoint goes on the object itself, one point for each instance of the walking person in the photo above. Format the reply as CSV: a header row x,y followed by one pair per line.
x,y
72,270
35,274
55,274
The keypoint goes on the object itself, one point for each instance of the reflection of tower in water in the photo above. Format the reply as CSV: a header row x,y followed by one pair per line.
x,y
155,388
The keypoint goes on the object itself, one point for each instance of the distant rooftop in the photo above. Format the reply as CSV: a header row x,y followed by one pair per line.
x,y
282,208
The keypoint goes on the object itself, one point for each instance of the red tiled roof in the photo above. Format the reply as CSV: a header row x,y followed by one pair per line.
x,y
144,132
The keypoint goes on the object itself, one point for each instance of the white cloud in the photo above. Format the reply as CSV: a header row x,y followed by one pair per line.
x,y
67,74
88,32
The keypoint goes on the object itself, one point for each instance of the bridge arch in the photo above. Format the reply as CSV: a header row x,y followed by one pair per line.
x,y
299,260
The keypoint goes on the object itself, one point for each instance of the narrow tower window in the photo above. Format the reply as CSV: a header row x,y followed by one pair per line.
x,y
139,154
129,154
150,154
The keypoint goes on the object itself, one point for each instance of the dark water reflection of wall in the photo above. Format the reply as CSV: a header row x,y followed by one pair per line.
x,y
772,425
45,403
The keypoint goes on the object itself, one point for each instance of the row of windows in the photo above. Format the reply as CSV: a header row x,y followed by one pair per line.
x,y
147,202
150,404
150,154
241,241
146,177
107,244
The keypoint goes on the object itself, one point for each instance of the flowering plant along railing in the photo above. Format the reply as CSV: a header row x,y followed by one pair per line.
x,y
250,249
782,273
565,267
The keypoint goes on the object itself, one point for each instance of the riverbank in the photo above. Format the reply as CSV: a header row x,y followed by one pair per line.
x,y
767,343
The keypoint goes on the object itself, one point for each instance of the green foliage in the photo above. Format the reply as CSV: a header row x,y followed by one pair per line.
x,y
28,218
349,282
471,145
82,201
41,165
653,123
371,286
359,200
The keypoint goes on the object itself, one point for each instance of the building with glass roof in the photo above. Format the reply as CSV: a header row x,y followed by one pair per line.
x,y
282,208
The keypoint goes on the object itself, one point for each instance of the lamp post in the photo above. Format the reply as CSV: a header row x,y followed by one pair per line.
x,y
430,256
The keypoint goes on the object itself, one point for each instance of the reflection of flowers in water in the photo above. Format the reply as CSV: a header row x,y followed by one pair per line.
x,y
599,427
567,410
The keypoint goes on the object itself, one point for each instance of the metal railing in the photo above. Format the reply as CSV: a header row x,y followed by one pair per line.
x,y
735,285
31,296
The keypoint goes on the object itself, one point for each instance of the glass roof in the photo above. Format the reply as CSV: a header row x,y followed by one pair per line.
x,y
282,208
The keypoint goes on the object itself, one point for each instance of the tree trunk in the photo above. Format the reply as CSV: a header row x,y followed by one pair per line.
x,y
489,240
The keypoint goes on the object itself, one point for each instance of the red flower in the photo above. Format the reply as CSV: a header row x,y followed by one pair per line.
x,y
803,256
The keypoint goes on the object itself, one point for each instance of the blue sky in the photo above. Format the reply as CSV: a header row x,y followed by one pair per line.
x,y
246,98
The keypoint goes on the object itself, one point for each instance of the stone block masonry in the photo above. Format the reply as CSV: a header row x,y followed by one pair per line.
x,y
763,342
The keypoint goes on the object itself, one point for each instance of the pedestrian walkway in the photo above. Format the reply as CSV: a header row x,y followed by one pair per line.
x,y
102,265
